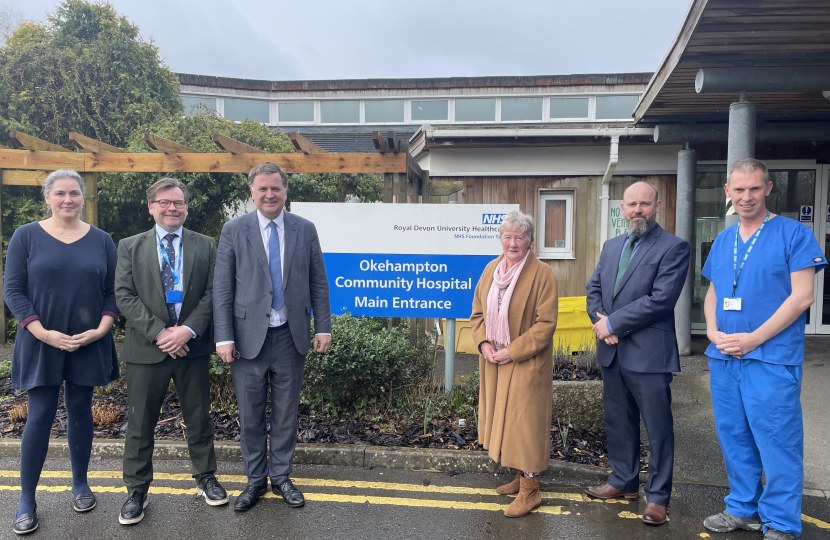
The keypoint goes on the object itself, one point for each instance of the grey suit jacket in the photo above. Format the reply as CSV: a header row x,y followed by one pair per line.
x,y
140,295
641,313
242,288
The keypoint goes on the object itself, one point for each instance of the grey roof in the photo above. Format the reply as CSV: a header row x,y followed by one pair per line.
x,y
348,139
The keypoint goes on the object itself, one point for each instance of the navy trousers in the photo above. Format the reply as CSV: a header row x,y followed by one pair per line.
x,y
281,366
758,418
627,395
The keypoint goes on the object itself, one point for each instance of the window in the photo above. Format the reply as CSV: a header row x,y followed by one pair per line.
x,y
340,112
390,110
192,102
568,108
556,225
521,109
296,112
616,107
430,110
475,110
247,109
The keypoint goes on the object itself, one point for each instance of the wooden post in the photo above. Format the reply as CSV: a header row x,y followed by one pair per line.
x,y
2,266
91,202
388,187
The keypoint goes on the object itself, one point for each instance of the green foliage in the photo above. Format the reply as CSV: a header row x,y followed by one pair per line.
x,y
366,364
11,326
122,202
333,187
21,205
222,397
86,70
5,369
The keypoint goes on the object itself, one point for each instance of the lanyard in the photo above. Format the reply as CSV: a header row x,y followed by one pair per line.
x,y
737,269
178,270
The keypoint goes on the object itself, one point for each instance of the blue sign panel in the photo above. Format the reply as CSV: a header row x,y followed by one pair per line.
x,y
388,285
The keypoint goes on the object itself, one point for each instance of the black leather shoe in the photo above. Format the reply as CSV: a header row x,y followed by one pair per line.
x,y
212,491
133,510
84,502
292,496
248,498
25,524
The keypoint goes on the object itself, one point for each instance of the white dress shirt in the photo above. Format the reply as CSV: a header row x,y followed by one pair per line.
x,y
278,316
177,242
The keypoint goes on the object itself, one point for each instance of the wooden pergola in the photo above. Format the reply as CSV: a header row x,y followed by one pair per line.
x,y
30,163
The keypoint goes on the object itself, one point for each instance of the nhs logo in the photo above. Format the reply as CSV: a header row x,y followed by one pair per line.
x,y
492,219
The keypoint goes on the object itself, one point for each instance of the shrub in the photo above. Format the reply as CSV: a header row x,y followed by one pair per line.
x,y
19,412
365,365
5,369
105,414
222,397
11,328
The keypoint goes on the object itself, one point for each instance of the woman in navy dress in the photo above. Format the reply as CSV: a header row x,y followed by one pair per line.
x,y
59,283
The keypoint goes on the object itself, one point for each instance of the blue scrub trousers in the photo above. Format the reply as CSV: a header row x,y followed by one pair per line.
x,y
758,419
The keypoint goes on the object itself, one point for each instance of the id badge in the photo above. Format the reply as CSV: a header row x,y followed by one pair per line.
x,y
173,297
732,304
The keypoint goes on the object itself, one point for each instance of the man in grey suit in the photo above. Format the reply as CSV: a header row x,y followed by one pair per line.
x,y
631,299
269,278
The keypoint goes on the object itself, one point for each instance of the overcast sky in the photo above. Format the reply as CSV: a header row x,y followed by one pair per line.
x,y
347,39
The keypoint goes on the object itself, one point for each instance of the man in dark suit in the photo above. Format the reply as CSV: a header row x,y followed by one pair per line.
x,y
164,287
631,299
269,277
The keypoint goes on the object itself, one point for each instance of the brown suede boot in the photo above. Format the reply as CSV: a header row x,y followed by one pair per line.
x,y
512,487
527,499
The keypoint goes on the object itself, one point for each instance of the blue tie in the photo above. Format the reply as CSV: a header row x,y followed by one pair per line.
x,y
167,276
275,264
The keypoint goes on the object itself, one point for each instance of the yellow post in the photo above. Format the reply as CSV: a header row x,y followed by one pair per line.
x,y
91,206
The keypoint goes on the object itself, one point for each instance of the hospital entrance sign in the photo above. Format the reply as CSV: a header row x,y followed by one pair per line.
x,y
390,260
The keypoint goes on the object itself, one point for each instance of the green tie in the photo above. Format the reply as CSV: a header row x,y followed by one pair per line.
x,y
626,258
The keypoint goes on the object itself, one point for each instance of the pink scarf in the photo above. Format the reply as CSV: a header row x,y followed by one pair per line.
x,y
496,328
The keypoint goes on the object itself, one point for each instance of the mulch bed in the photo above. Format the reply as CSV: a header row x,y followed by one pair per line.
x,y
583,446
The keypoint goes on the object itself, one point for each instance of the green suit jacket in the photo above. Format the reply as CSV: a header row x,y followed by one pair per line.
x,y
140,295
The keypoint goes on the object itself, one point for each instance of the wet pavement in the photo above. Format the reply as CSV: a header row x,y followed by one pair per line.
x,y
353,503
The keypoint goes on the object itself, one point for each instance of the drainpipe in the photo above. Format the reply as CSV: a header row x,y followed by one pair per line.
x,y
606,180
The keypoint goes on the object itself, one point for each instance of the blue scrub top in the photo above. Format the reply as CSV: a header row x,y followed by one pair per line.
x,y
783,247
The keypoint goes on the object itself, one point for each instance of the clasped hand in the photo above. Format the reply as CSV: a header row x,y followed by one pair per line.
x,y
736,345
493,356
173,341
68,343
601,330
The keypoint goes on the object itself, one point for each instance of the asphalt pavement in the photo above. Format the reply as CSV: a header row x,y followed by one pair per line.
x,y
346,502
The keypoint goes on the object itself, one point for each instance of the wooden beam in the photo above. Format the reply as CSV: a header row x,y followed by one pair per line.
x,y
168,147
233,146
304,145
41,160
4,147
28,142
380,142
24,178
91,200
190,162
88,144
388,187
412,165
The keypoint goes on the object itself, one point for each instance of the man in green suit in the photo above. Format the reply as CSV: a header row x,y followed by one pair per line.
x,y
164,287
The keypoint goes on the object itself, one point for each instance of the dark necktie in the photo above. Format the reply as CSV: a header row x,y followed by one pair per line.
x,y
275,265
167,276
626,258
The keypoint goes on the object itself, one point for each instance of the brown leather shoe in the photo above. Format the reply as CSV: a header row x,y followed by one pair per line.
x,y
607,491
654,514
527,499
512,487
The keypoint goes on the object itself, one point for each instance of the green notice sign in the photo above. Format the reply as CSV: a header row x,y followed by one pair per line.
x,y
616,221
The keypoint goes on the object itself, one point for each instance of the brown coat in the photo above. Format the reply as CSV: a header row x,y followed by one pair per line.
x,y
514,416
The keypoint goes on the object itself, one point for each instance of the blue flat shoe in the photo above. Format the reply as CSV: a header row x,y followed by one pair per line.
x,y
84,502
25,524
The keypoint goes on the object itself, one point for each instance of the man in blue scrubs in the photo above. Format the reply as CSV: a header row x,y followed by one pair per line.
x,y
762,272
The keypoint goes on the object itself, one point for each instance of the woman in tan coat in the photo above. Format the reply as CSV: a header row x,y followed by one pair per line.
x,y
514,316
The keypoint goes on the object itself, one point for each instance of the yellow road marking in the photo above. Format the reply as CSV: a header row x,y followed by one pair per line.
x,y
704,535
316,482
631,515
817,522
326,497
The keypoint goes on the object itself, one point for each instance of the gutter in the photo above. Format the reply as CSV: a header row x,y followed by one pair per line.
x,y
613,159
433,133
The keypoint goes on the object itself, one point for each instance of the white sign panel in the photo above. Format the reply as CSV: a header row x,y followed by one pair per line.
x,y
616,220
405,260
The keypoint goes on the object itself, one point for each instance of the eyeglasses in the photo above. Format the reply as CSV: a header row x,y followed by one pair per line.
x,y
164,203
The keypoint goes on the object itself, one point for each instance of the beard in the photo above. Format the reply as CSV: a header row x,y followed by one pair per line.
x,y
640,226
